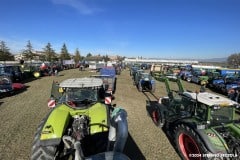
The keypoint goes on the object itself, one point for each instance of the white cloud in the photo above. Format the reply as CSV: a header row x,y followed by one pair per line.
x,y
83,6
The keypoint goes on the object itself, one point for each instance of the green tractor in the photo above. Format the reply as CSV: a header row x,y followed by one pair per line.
x,y
80,126
201,125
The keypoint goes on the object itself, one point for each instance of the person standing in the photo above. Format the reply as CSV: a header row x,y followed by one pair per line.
x,y
237,95
231,94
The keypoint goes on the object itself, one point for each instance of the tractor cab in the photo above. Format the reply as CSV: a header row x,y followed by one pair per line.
x,y
212,108
78,92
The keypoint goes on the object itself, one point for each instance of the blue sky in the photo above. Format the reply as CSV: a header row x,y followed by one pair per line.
x,y
148,28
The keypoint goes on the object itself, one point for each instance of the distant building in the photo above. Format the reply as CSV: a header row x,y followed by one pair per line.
x,y
21,56
161,61
18,57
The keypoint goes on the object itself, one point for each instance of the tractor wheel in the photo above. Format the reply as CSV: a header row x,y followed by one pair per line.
x,y
153,88
188,143
140,87
157,118
42,152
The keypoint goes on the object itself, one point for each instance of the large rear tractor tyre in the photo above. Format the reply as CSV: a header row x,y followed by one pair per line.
x,y
42,152
188,144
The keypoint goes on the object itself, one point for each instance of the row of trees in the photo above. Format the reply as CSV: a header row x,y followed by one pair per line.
x,y
5,53
234,60
48,54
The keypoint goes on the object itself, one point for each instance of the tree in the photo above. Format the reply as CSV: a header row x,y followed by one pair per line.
x,y
89,55
28,52
234,60
106,58
77,56
119,58
64,53
5,54
49,53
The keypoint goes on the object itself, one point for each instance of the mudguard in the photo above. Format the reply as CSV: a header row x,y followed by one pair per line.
x,y
55,126
210,138
152,82
235,128
213,141
99,118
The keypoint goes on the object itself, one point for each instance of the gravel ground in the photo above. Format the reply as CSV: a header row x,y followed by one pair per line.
x,y
21,113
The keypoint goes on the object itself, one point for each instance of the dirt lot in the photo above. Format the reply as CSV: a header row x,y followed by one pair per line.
x,y
21,113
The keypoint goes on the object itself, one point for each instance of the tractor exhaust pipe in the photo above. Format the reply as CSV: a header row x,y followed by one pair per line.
x,y
118,131
77,146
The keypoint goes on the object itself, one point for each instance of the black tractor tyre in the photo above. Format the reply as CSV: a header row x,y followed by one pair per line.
x,y
157,118
140,87
42,152
153,88
189,144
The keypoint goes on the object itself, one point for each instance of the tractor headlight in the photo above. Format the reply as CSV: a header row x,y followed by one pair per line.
x,y
215,107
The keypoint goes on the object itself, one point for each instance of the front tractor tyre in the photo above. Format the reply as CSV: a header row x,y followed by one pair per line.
x,y
157,118
42,152
188,143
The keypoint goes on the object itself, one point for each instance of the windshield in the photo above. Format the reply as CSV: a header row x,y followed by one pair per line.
x,y
147,76
2,70
222,115
81,94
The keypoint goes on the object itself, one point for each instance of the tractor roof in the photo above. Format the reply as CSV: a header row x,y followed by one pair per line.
x,y
81,82
210,99
144,73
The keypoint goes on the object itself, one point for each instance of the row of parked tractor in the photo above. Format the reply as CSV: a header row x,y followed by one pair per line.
x,y
14,75
201,125
222,80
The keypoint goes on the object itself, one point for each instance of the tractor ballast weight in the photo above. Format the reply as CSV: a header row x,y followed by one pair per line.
x,y
201,124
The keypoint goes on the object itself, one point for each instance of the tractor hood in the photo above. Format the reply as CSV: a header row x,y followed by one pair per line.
x,y
217,138
61,115
218,81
